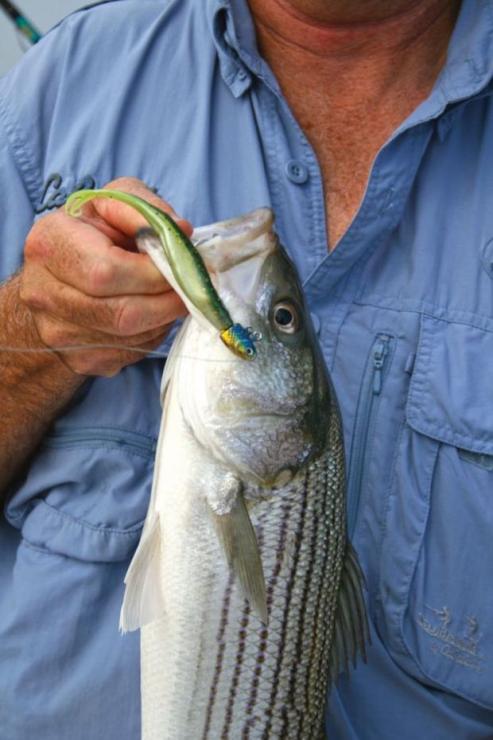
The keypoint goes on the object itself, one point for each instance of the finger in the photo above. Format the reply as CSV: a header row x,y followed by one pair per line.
x,y
79,254
97,364
64,336
95,358
117,238
122,316
130,358
125,218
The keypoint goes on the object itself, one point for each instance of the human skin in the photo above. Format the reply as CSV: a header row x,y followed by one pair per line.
x,y
345,66
352,71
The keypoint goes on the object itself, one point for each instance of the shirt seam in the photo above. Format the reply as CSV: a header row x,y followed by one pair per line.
x,y
105,531
99,445
24,162
435,311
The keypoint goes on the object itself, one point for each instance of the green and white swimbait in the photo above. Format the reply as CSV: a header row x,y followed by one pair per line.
x,y
180,264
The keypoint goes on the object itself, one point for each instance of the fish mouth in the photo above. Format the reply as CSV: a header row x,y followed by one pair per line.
x,y
237,232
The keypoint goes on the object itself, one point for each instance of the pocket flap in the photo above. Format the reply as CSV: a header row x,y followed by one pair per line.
x,y
451,393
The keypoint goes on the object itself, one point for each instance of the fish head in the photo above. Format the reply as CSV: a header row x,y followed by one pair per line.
x,y
263,418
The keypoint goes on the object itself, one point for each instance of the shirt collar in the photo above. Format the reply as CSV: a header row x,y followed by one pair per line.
x,y
229,49
469,64
467,72
233,33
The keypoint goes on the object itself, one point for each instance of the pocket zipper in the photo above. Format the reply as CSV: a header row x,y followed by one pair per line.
x,y
102,435
371,388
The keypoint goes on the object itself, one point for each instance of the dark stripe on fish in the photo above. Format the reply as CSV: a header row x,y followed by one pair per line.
x,y
270,592
242,641
335,523
242,638
304,612
289,590
220,655
322,630
320,607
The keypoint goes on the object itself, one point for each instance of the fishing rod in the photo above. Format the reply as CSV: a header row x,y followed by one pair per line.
x,y
20,21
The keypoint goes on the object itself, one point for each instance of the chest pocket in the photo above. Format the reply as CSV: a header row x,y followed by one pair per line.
x,y
86,492
436,593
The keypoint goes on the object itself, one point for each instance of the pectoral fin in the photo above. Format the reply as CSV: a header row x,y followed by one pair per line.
x,y
239,542
143,602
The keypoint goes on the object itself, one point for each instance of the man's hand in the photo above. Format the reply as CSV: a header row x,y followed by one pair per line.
x,y
85,284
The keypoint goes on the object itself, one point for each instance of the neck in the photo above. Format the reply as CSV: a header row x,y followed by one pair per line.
x,y
355,27
351,72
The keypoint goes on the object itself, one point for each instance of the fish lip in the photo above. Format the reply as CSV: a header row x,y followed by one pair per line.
x,y
249,226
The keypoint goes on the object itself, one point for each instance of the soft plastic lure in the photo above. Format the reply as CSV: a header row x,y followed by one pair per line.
x,y
188,274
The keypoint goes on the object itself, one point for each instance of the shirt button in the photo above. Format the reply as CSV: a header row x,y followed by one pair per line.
x,y
296,171
241,75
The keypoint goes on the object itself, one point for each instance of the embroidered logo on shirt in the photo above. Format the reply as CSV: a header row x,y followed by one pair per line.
x,y
457,640
55,193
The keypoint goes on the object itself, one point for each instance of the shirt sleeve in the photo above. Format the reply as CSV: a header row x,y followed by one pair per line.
x,y
43,100
28,98
16,208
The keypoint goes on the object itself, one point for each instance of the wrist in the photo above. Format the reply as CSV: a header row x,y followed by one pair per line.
x,y
26,353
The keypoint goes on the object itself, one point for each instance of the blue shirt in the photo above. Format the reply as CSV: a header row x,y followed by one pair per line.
x,y
176,94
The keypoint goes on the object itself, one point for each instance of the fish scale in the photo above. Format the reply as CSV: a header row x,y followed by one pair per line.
x,y
251,681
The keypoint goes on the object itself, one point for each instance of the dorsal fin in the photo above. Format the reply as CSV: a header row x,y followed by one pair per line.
x,y
351,633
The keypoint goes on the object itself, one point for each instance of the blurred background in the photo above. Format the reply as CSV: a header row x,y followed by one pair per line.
x,y
43,14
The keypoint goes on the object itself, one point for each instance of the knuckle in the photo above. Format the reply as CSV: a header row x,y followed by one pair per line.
x,y
52,333
37,244
83,363
101,276
32,294
25,289
35,298
82,367
31,245
127,318
46,237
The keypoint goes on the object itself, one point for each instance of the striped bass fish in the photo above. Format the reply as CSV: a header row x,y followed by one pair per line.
x,y
244,585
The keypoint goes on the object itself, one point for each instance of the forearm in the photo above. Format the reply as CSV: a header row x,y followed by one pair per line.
x,y
34,386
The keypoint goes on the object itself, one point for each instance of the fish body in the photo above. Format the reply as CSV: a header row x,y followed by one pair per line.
x,y
246,590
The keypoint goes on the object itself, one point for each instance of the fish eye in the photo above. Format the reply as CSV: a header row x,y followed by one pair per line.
x,y
286,317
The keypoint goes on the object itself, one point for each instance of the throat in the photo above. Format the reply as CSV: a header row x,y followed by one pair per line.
x,y
350,83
